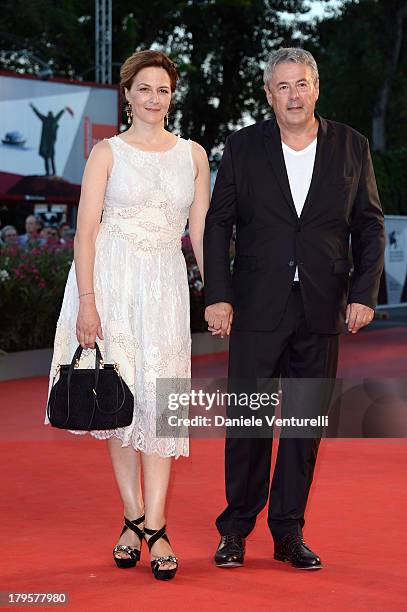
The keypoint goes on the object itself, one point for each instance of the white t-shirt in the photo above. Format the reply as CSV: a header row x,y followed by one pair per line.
x,y
299,165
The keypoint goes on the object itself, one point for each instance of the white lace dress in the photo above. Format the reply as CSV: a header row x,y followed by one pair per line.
x,y
140,284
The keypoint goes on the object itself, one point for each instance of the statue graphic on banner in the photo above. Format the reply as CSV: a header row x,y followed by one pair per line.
x,y
48,136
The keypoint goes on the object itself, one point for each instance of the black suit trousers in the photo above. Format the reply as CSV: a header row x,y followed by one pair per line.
x,y
290,351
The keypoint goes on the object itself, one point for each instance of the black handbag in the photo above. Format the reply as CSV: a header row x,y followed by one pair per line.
x,y
90,399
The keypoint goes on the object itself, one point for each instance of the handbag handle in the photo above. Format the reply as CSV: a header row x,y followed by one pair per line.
x,y
98,361
76,358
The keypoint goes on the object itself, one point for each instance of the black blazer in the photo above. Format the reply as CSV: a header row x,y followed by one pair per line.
x,y
252,191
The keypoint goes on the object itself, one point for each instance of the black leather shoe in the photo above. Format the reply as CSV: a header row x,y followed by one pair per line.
x,y
292,549
230,552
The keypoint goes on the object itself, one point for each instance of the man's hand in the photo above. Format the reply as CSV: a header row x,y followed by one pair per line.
x,y
219,318
357,316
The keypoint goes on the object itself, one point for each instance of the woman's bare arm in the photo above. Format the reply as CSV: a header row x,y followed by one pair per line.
x,y
197,218
89,214
200,204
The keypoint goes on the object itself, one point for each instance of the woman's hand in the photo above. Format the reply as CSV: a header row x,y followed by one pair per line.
x,y
88,324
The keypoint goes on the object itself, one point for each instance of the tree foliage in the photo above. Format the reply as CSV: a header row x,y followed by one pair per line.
x,y
225,50
59,33
354,51
221,46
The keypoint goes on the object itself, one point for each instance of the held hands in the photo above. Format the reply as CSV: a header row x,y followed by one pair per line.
x,y
88,324
219,318
357,316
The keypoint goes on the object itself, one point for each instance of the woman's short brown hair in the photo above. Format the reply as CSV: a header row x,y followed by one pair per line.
x,y
145,59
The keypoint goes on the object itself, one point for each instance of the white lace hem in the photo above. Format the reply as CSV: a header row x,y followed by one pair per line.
x,y
139,446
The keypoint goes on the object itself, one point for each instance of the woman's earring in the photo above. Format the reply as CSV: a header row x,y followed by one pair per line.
x,y
129,113
166,119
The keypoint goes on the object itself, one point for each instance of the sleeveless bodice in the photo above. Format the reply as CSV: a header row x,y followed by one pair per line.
x,y
148,195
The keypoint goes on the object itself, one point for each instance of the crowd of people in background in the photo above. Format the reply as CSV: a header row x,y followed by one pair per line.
x,y
37,234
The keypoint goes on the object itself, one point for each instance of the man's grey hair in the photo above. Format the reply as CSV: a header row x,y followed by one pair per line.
x,y
289,54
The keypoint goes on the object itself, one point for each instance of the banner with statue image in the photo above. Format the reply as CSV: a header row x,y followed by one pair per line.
x,y
47,129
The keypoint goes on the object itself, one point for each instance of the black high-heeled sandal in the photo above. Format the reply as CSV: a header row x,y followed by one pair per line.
x,y
133,552
160,574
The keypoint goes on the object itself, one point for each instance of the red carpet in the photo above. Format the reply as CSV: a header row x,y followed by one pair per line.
x,y
379,353
61,516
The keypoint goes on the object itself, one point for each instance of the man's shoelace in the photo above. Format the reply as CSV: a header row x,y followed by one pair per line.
x,y
292,543
235,541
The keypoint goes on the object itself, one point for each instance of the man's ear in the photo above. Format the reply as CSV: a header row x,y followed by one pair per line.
x,y
269,95
317,88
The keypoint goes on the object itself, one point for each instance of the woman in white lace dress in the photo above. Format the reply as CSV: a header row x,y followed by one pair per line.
x,y
128,288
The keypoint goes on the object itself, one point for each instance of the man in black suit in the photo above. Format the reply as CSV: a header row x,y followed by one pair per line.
x,y
296,187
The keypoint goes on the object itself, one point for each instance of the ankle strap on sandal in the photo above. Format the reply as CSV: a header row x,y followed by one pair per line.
x,y
155,534
133,526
